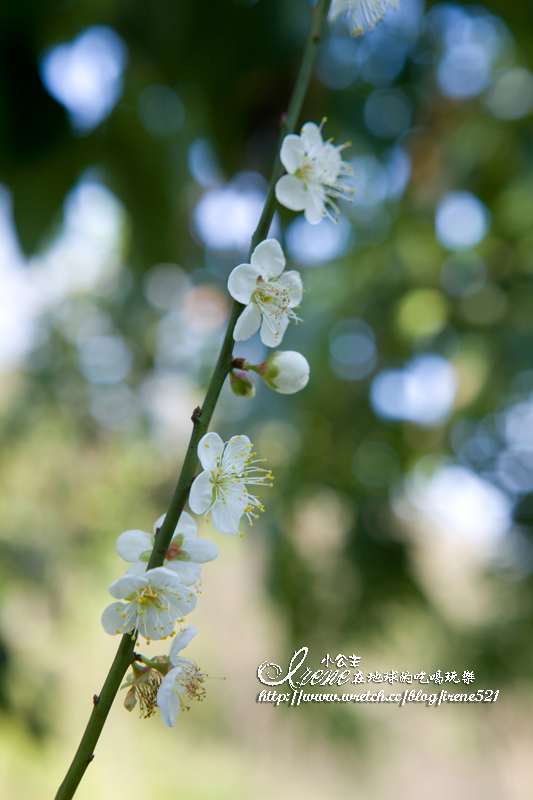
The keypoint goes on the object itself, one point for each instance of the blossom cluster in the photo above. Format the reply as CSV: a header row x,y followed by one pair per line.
x,y
316,177
153,601
150,602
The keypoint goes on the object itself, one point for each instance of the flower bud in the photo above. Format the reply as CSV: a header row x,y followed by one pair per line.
x,y
241,383
285,371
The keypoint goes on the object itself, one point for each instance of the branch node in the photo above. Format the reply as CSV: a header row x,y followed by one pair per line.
x,y
96,699
196,413
90,758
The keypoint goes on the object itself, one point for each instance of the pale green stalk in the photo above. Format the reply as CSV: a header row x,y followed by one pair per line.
x,y
201,419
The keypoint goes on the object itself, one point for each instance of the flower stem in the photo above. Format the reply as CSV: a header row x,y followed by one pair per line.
x,y
201,419
148,662
102,705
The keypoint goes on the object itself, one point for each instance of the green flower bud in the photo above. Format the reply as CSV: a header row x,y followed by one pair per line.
x,y
241,383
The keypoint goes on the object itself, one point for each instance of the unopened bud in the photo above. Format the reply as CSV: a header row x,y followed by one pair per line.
x,y
285,371
241,383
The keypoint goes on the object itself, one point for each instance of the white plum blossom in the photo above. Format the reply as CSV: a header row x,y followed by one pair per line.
x,y
182,683
268,293
317,174
361,13
221,489
184,555
154,602
285,371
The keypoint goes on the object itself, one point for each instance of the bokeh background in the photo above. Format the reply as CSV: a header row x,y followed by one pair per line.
x,y
136,141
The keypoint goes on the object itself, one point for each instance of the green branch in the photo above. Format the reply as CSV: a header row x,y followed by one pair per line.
x,y
201,420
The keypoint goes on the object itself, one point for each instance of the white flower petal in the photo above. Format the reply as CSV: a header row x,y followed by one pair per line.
x,y
131,544
167,699
186,526
292,152
201,494
210,447
182,602
337,8
311,137
331,163
314,209
242,282
188,572
226,516
163,578
236,452
126,585
164,626
148,623
200,550
291,193
139,568
248,323
180,641
361,13
268,259
273,328
112,619
292,280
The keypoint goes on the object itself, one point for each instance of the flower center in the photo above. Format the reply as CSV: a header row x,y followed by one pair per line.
x,y
305,171
190,679
175,551
323,171
219,479
227,477
147,595
272,295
